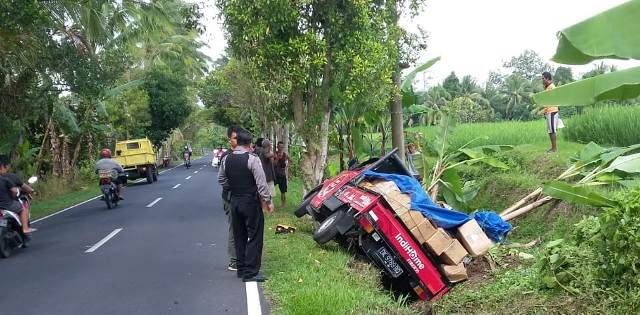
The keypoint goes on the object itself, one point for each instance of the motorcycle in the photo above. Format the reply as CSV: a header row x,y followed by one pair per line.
x,y
109,188
187,159
11,235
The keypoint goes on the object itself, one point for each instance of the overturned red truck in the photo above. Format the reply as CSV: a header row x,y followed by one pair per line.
x,y
415,254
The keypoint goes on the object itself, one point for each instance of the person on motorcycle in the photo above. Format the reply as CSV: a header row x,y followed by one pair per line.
x,y
9,185
107,163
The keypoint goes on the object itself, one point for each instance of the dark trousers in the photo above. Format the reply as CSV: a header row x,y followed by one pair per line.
x,y
248,231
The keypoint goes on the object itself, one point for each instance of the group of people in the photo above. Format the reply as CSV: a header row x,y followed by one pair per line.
x,y
248,174
10,187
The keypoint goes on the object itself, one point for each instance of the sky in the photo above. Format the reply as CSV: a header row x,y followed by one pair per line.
x,y
474,37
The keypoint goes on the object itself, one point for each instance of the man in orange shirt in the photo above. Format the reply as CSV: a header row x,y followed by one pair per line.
x,y
551,113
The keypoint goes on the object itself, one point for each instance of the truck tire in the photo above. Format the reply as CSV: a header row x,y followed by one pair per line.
x,y
155,174
302,209
328,228
149,175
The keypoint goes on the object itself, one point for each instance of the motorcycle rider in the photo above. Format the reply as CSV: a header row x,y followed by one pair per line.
x,y
9,185
107,163
186,151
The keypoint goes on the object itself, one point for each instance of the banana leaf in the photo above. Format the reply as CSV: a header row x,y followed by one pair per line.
x,y
618,85
580,195
409,97
614,33
626,163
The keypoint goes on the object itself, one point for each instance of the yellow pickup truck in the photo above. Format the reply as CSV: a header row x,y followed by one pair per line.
x,y
138,158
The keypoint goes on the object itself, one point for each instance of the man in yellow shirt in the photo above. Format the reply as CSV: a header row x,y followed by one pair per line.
x,y
551,113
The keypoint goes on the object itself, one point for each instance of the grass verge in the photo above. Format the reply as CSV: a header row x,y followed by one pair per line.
x,y
45,206
306,278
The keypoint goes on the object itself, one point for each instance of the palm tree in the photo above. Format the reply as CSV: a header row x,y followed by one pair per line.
x,y
516,92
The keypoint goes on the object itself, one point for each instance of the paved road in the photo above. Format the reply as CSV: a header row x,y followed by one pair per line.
x,y
168,258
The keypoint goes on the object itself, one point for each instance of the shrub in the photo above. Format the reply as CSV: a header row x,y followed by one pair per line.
x,y
613,125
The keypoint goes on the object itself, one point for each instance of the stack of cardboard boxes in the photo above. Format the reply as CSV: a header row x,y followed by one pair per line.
x,y
470,238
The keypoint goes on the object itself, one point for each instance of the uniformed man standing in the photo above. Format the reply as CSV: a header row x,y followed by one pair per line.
x,y
242,172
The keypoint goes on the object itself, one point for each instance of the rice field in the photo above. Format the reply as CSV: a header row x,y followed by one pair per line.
x,y
507,132
612,125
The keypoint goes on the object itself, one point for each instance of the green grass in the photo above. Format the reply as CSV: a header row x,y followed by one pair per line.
x,y
615,125
41,207
508,132
306,278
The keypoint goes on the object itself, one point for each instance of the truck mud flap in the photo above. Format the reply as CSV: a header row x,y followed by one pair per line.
x,y
333,203
345,224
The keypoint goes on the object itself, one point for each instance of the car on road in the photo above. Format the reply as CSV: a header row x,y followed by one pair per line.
x,y
138,158
345,210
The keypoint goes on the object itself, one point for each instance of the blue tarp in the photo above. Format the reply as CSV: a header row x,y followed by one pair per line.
x,y
447,219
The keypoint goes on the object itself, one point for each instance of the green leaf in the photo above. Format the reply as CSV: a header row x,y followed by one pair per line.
x,y
406,85
580,195
627,163
630,183
554,258
609,34
618,85
454,181
470,191
124,87
549,282
554,243
590,152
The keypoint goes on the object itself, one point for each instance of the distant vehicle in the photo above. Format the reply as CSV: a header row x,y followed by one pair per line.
x,y
187,159
108,188
138,158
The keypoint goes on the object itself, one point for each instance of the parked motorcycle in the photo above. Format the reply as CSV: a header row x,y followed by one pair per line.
x,y
109,188
11,235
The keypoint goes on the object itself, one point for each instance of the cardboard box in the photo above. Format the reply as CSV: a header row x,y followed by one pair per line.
x,y
439,241
412,218
454,254
424,231
455,273
399,202
473,238
381,186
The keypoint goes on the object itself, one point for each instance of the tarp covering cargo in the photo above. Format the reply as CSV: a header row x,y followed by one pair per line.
x,y
448,219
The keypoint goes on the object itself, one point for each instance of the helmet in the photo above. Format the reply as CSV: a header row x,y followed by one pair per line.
x,y
105,153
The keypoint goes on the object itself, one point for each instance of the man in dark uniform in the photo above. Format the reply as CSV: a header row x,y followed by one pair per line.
x,y
242,172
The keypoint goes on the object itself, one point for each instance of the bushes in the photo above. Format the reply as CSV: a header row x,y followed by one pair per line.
x,y
601,259
613,125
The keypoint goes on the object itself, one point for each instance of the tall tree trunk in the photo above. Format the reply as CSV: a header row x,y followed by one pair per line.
x,y
67,168
43,147
341,148
55,152
383,144
397,129
76,152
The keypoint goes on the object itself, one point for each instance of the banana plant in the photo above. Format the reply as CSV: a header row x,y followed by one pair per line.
x,y
444,178
593,166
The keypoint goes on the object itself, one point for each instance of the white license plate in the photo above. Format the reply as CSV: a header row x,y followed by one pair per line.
x,y
3,223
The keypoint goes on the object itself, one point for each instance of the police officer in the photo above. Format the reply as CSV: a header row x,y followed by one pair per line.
x,y
242,172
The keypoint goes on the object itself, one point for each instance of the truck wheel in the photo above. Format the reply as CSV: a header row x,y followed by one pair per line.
x,y
149,175
302,210
155,174
328,228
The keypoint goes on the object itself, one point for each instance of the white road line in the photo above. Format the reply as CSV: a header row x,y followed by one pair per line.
x,y
187,177
253,299
102,241
81,203
154,202
196,172
176,186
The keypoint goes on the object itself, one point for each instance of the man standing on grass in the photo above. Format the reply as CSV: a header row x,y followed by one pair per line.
x,y
551,113
266,157
282,161
241,171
